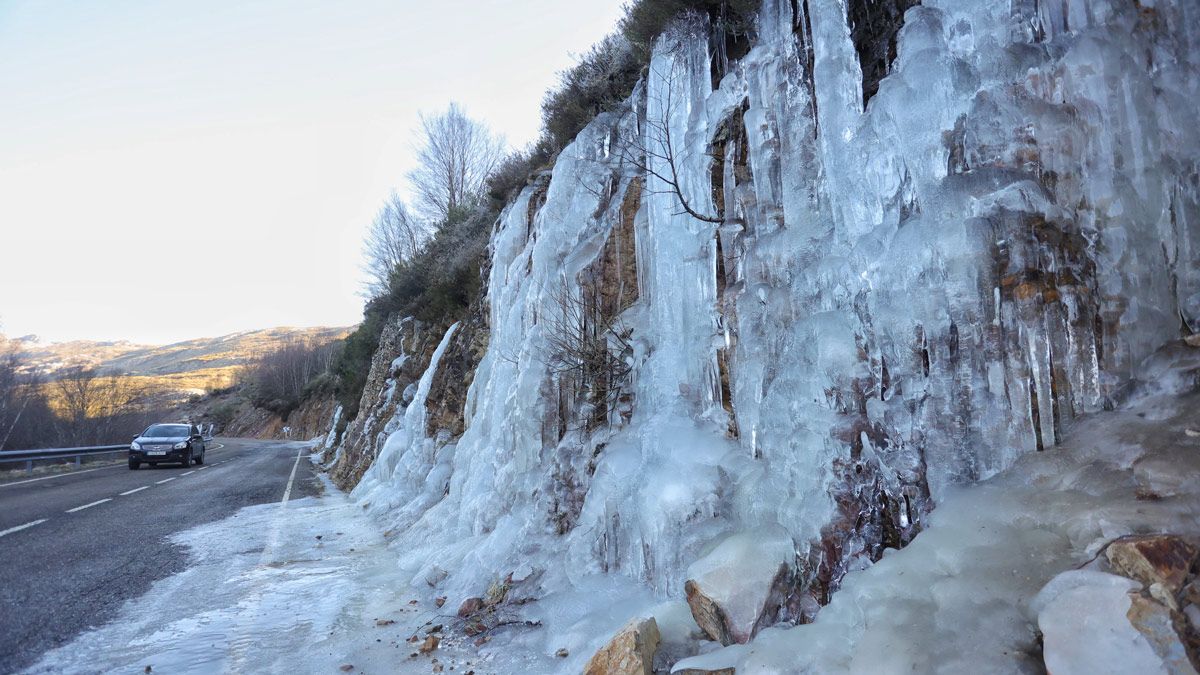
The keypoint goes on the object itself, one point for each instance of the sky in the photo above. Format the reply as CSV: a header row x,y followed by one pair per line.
x,y
171,169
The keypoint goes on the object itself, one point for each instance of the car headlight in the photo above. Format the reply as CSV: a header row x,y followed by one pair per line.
x,y
181,446
135,446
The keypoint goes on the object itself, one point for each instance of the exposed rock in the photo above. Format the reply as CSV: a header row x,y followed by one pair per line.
x,y
1156,623
470,606
629,652
430,644
1154,559
456,371
405,348
741,585
1094,622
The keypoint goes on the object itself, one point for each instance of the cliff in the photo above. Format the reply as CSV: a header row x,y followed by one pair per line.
x,y
801,293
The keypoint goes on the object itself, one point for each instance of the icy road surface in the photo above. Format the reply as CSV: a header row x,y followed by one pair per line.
x,y
74,547
293,587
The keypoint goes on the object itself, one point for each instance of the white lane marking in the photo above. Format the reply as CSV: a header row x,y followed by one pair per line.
x,y
57,475
202,468
288,492
187,473
88,506
22,527
160,482
129,492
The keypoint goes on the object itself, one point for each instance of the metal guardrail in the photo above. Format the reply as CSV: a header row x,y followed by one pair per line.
x,y
31,456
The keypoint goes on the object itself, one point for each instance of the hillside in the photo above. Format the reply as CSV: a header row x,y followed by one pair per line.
x,y
215,355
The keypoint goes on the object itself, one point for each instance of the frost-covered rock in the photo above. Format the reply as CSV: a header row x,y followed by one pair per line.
x,y
1094,622
720,662
629,652
741,585
1154,559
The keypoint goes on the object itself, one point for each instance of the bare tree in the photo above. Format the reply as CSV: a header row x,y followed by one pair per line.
x,y
589,346
279,378
655,152
24,414
91,404
455,155
394,237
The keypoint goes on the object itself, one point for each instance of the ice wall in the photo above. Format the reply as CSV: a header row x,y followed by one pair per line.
x,y
847,311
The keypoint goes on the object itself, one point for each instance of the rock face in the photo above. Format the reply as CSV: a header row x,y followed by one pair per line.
x,y
308,421
742,585
862,307
630,652
451,382
405,347
1093,622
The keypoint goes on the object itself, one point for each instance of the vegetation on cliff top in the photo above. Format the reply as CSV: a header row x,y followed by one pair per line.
x,y
439,280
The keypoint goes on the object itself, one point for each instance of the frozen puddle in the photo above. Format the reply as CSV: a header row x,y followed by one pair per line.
x,y
293,588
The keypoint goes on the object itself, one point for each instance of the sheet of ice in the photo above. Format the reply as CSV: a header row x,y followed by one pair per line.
x,y
260,594
963,595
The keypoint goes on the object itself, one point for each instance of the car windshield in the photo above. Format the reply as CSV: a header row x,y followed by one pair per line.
x,y
166,431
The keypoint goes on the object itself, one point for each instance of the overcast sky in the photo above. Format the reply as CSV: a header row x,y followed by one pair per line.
x,y
184,169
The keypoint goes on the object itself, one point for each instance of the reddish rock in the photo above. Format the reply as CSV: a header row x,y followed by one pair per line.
x,y
470,606
1164,559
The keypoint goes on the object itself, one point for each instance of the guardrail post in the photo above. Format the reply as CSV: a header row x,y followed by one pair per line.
x,y
29,467
78,458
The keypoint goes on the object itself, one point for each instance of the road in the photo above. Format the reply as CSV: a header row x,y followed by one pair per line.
x,y
75,546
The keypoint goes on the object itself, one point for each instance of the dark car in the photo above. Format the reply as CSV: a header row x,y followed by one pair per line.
x,y
180,443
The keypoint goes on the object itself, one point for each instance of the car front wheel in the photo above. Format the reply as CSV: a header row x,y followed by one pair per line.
x,y
134,464
187,459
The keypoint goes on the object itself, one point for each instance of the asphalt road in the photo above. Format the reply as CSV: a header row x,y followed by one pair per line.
x,y
75,546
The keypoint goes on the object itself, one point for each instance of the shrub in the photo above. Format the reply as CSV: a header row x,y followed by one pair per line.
x,y
223,414
436,286
607,74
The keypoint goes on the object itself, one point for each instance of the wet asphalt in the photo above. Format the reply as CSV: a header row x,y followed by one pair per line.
x,y
73,567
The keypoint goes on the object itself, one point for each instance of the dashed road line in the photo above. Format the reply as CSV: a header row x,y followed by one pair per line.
x,y
168,480
187,473
22,527
88,506
202,468
129,492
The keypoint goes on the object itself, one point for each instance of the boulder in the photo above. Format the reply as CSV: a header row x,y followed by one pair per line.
x,y
629,652
741,585
1163,559
1094,622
